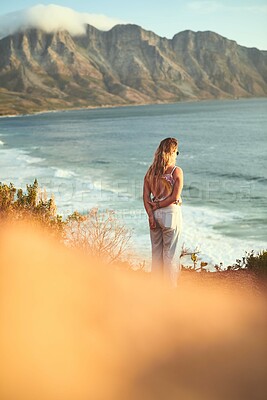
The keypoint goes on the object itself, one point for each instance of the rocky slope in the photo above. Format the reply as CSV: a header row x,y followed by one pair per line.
x,y
126,65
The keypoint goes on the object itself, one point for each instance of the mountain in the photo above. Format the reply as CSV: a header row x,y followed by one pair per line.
x,y
125,65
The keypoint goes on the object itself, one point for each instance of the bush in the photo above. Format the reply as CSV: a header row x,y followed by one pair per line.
x,y
97,233
33,205
257,263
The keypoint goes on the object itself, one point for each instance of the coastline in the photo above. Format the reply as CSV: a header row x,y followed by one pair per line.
x,y
47,111
107,106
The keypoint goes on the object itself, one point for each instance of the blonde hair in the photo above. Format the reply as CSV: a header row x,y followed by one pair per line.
x,y
162,160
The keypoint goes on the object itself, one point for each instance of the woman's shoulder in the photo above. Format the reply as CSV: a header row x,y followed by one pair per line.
x,y
177,171
170,170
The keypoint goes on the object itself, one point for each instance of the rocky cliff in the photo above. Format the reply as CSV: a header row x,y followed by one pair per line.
x,y
126,65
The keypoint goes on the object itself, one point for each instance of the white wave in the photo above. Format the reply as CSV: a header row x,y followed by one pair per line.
x,y
188,156
2,143
120,190
9,116
143,163
64,173
198,233
215,248
19,168
29,159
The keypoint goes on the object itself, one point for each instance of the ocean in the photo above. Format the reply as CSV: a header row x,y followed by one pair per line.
x,y
98,157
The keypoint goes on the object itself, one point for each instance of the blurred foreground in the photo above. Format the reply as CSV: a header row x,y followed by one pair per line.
x,y
73,329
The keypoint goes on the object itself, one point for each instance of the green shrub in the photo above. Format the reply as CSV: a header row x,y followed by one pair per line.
x,y
33,205
257,263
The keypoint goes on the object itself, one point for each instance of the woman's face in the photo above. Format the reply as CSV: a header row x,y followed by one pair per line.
x,y
174,154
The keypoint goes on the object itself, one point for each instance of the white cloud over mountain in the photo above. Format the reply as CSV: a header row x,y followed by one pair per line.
x,y
52,18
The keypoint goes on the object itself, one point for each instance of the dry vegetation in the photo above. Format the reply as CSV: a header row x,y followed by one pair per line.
x,y
97,233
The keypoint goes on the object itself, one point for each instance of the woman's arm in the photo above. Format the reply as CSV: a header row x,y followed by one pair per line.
x,y
147,204
178,176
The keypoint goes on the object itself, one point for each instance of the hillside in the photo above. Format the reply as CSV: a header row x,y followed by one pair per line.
x,y
125,65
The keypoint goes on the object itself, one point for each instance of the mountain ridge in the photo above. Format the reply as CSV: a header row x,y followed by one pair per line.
x,y
123,66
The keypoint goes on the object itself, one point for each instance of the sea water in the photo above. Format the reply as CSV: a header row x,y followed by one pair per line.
x,y
98,158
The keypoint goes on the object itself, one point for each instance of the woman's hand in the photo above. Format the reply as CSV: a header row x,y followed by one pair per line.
x,y
153,205
152,221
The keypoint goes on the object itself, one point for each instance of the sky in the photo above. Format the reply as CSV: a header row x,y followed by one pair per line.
x,y
241,20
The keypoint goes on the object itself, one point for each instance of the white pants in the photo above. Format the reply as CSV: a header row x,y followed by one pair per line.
x,y
164,241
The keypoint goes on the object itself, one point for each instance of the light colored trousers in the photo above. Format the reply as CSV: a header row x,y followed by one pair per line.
x,y
164,242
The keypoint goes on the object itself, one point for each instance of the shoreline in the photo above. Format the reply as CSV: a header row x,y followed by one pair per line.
x,y
92,108
110,106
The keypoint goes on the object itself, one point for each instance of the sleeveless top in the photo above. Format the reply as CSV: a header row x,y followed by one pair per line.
x,y
170,179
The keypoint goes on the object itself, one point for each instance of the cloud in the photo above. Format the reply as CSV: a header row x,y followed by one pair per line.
x,y
204,7
52,18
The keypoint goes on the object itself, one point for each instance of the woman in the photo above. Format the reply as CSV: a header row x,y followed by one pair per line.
x,y
163,184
